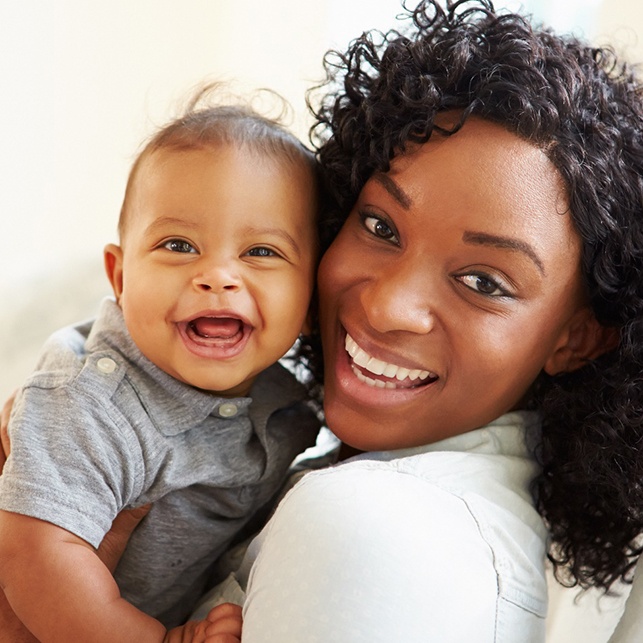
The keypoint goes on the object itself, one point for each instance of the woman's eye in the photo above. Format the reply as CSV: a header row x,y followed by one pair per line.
x,y
379,228
484,285
261,252
179,245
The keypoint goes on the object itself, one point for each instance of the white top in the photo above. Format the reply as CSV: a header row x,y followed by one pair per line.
x,y
437,543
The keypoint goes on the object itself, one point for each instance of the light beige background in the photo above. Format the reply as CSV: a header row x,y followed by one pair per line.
x,y
84,82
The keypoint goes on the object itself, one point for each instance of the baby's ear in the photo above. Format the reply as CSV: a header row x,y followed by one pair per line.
x,y
113,258
584,340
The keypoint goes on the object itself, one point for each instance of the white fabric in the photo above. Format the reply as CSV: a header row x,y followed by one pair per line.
x,y
439,543
630,627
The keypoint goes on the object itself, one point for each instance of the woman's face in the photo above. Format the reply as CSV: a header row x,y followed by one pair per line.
x,y
454,281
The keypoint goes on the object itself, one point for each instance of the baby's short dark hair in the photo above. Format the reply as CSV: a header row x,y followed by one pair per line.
x,y
204,125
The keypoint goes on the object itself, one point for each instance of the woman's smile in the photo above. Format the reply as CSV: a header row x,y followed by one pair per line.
x,y
387,375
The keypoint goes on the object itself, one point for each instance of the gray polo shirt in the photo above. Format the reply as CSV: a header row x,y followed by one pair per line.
x,y
98,428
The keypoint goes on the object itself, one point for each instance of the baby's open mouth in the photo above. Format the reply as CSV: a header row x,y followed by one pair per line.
x,y
384,374
225,330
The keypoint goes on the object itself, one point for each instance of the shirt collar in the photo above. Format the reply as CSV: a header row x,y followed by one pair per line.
x,y
507,435
172,405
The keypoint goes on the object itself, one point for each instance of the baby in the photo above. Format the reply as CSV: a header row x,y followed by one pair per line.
x,y
173,395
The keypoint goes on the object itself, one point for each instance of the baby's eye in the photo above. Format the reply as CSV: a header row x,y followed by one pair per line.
x,y
261,251
179,245
378,227
483,284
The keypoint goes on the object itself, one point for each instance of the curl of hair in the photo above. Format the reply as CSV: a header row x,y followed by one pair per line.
x,y
583,108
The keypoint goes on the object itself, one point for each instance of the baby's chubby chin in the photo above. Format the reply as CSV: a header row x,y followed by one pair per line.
x,y
221,378
215,353
380,374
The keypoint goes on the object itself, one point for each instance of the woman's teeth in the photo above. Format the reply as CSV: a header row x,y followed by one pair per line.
x,y
378,367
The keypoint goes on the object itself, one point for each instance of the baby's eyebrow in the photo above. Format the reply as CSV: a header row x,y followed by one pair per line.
x,y
162,222
393,189
277,232
484,239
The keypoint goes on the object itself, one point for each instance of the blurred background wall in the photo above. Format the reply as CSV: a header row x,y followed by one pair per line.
x,y
83,83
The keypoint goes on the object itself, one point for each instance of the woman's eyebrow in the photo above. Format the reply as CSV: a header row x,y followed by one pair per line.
x,y
484,239
393,189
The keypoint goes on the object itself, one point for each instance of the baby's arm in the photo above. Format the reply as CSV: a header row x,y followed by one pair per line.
x,y
61,590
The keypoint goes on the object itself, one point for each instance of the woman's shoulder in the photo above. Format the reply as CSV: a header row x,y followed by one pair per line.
x,y
404,545
420,506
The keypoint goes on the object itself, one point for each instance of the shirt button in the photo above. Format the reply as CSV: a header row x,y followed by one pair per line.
x,y
106,365
228,410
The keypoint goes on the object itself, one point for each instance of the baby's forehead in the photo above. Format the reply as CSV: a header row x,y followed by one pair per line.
x,y
195,176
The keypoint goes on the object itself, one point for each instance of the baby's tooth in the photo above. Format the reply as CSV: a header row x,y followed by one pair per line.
x,y
361,358
402,373
375,366
390,370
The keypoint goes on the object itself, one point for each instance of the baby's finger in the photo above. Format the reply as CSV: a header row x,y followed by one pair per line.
x,y
224,624
224,610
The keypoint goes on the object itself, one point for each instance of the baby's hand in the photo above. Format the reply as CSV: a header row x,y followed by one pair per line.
x,y
191,632
222,625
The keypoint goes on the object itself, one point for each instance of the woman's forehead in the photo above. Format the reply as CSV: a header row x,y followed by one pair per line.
x,y
483,179
484,163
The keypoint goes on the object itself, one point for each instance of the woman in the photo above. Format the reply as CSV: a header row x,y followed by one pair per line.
x,y
480,313
480,310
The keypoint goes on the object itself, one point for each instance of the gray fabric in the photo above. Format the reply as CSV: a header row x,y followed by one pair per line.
x,y
98,428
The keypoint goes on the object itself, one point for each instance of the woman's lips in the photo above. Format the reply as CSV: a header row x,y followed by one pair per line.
x,y
384,374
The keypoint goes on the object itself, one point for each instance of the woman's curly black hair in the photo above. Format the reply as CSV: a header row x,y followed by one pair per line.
x,y
584,109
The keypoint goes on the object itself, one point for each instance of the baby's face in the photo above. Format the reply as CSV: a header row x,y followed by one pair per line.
x,y
217,263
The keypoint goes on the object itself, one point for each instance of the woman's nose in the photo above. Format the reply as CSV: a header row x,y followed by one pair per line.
x,y
218,279
396,299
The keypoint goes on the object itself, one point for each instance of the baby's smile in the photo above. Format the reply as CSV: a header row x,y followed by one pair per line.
x,y
222,329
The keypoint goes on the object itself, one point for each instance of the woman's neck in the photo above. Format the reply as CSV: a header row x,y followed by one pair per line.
x,y
346,451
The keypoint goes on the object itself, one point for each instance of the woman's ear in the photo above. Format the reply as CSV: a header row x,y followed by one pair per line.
x,y
113,258
584,340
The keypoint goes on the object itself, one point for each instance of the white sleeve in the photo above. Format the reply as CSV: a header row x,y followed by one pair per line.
x,y
363,555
